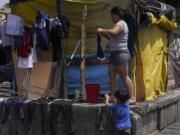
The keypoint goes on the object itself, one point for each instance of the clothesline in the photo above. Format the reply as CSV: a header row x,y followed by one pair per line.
x,y
49,13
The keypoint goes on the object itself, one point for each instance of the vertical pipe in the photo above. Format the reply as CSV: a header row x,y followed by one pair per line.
x,y
62,92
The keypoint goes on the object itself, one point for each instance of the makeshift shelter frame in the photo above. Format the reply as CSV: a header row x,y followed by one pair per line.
x,y
83,48
62,87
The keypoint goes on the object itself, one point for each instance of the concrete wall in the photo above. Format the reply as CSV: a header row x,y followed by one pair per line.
x,y
88,119
151,117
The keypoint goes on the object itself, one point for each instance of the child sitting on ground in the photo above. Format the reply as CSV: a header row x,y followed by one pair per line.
x,y
121,111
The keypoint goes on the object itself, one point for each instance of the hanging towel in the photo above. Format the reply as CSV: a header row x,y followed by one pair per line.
x,y
25,49
100,53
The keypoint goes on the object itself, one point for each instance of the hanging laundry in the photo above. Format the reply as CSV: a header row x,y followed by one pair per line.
x,y
45,17
66,25
55,38
5,39
133,29
15,25
27,52
34,51
8,105
25,63
18,41
25,49
48,27
42,38
100,53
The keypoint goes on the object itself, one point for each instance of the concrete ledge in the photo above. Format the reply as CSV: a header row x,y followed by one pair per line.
x,y
96,119
137,128
178,116
150,116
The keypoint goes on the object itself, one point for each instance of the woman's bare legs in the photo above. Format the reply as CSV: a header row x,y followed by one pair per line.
x,y
123,72
112,79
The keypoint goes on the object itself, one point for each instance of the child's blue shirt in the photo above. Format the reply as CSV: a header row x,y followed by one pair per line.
x,y
122,115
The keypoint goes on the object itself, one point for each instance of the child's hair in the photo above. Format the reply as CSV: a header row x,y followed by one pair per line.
x,y
121,95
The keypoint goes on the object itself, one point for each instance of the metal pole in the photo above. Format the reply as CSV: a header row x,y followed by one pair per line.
x,y
62,63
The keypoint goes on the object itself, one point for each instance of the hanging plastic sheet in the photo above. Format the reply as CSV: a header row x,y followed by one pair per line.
x,y
153,50
174,58
157,8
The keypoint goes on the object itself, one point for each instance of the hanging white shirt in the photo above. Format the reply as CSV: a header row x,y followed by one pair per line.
x,y
25,63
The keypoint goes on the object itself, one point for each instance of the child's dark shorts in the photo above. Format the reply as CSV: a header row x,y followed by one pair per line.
x,y
123,131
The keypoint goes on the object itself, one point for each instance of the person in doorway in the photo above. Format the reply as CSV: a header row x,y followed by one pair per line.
x,y
120,55
121,112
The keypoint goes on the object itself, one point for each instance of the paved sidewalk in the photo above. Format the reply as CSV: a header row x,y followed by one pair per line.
x,y
173,129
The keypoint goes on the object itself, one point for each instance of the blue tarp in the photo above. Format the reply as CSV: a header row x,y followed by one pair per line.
x,y
94,74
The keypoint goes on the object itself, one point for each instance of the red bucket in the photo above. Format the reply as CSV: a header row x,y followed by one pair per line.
x,y
92,92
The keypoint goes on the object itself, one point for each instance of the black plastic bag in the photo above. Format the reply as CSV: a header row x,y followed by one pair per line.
x,y
6,69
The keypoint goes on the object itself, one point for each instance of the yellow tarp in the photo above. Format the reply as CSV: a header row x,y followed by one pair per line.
x,y
28,9
163,22
153,40
153,50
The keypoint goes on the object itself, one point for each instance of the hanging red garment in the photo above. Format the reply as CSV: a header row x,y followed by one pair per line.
x,y
25,49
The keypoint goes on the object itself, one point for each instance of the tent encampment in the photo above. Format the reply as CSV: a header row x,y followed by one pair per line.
x,y
149,69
